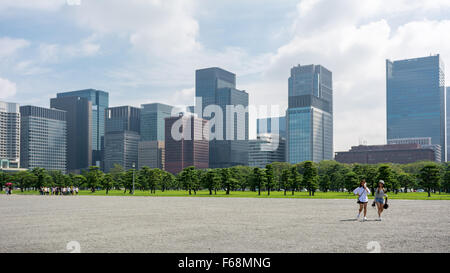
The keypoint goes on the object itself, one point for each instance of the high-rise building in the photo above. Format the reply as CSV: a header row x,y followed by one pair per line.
x,y
79,132
416,100
189,147
151,154
448,121
43,138
209,80
216,86
310,114
152,121
9,135
265,125
100,101
266,149
122,135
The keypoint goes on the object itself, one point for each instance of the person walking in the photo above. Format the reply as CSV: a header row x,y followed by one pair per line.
x,y
380,194
362,191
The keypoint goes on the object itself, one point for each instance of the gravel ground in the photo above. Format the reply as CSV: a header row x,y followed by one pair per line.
x,y
179,224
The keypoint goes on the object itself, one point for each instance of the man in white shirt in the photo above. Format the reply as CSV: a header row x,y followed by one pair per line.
x,y
362,191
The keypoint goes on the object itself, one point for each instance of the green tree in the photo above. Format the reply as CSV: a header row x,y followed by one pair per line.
x,y
166,180
324,183
386,174
24,180
93,177
310,177
107,182
296,179
351,181
40,174
228,182
258,179
407,181
429,177
270,179
211,180
188,178
286,180
446,180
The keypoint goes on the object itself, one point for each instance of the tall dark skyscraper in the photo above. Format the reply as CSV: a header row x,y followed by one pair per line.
x,y
79,133
416,100
100,101
192,149
310,114
122,135
216,86
43,138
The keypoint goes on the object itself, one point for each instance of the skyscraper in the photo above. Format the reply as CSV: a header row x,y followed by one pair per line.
x,y
9,135
448,121
265,125
216,86
310,114
122,135
79,132
152,120
43,138
190,148
266,149
151,154
416,100
100,101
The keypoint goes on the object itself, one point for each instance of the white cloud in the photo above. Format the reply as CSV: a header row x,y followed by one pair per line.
x,y
7,88
54,53
156,27
50,5
10,46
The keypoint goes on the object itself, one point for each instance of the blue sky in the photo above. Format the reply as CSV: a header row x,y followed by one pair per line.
x,y
143,51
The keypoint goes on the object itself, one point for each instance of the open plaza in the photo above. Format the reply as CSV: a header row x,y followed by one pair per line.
x,y
32,223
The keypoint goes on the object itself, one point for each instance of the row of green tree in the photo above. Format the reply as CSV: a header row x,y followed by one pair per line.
x,y
279,176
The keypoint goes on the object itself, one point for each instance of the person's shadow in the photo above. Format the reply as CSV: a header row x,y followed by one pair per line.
x,y
357,220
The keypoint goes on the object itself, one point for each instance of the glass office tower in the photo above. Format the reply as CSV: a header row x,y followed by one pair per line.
x,y
264,126
310,114
79,138
9,135
43,138
100,101
152,121
216,86
416,100
122,135
192,149
448,120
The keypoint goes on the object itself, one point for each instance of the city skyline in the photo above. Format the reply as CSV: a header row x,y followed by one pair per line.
x,y
62,41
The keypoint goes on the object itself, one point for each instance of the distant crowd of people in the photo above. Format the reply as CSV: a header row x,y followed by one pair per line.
x,y
58,190
8,190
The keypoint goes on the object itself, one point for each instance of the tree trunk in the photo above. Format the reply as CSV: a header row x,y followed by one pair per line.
x,y
107,190
190,192
429,193
268,191
284,192
210,192
228,191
